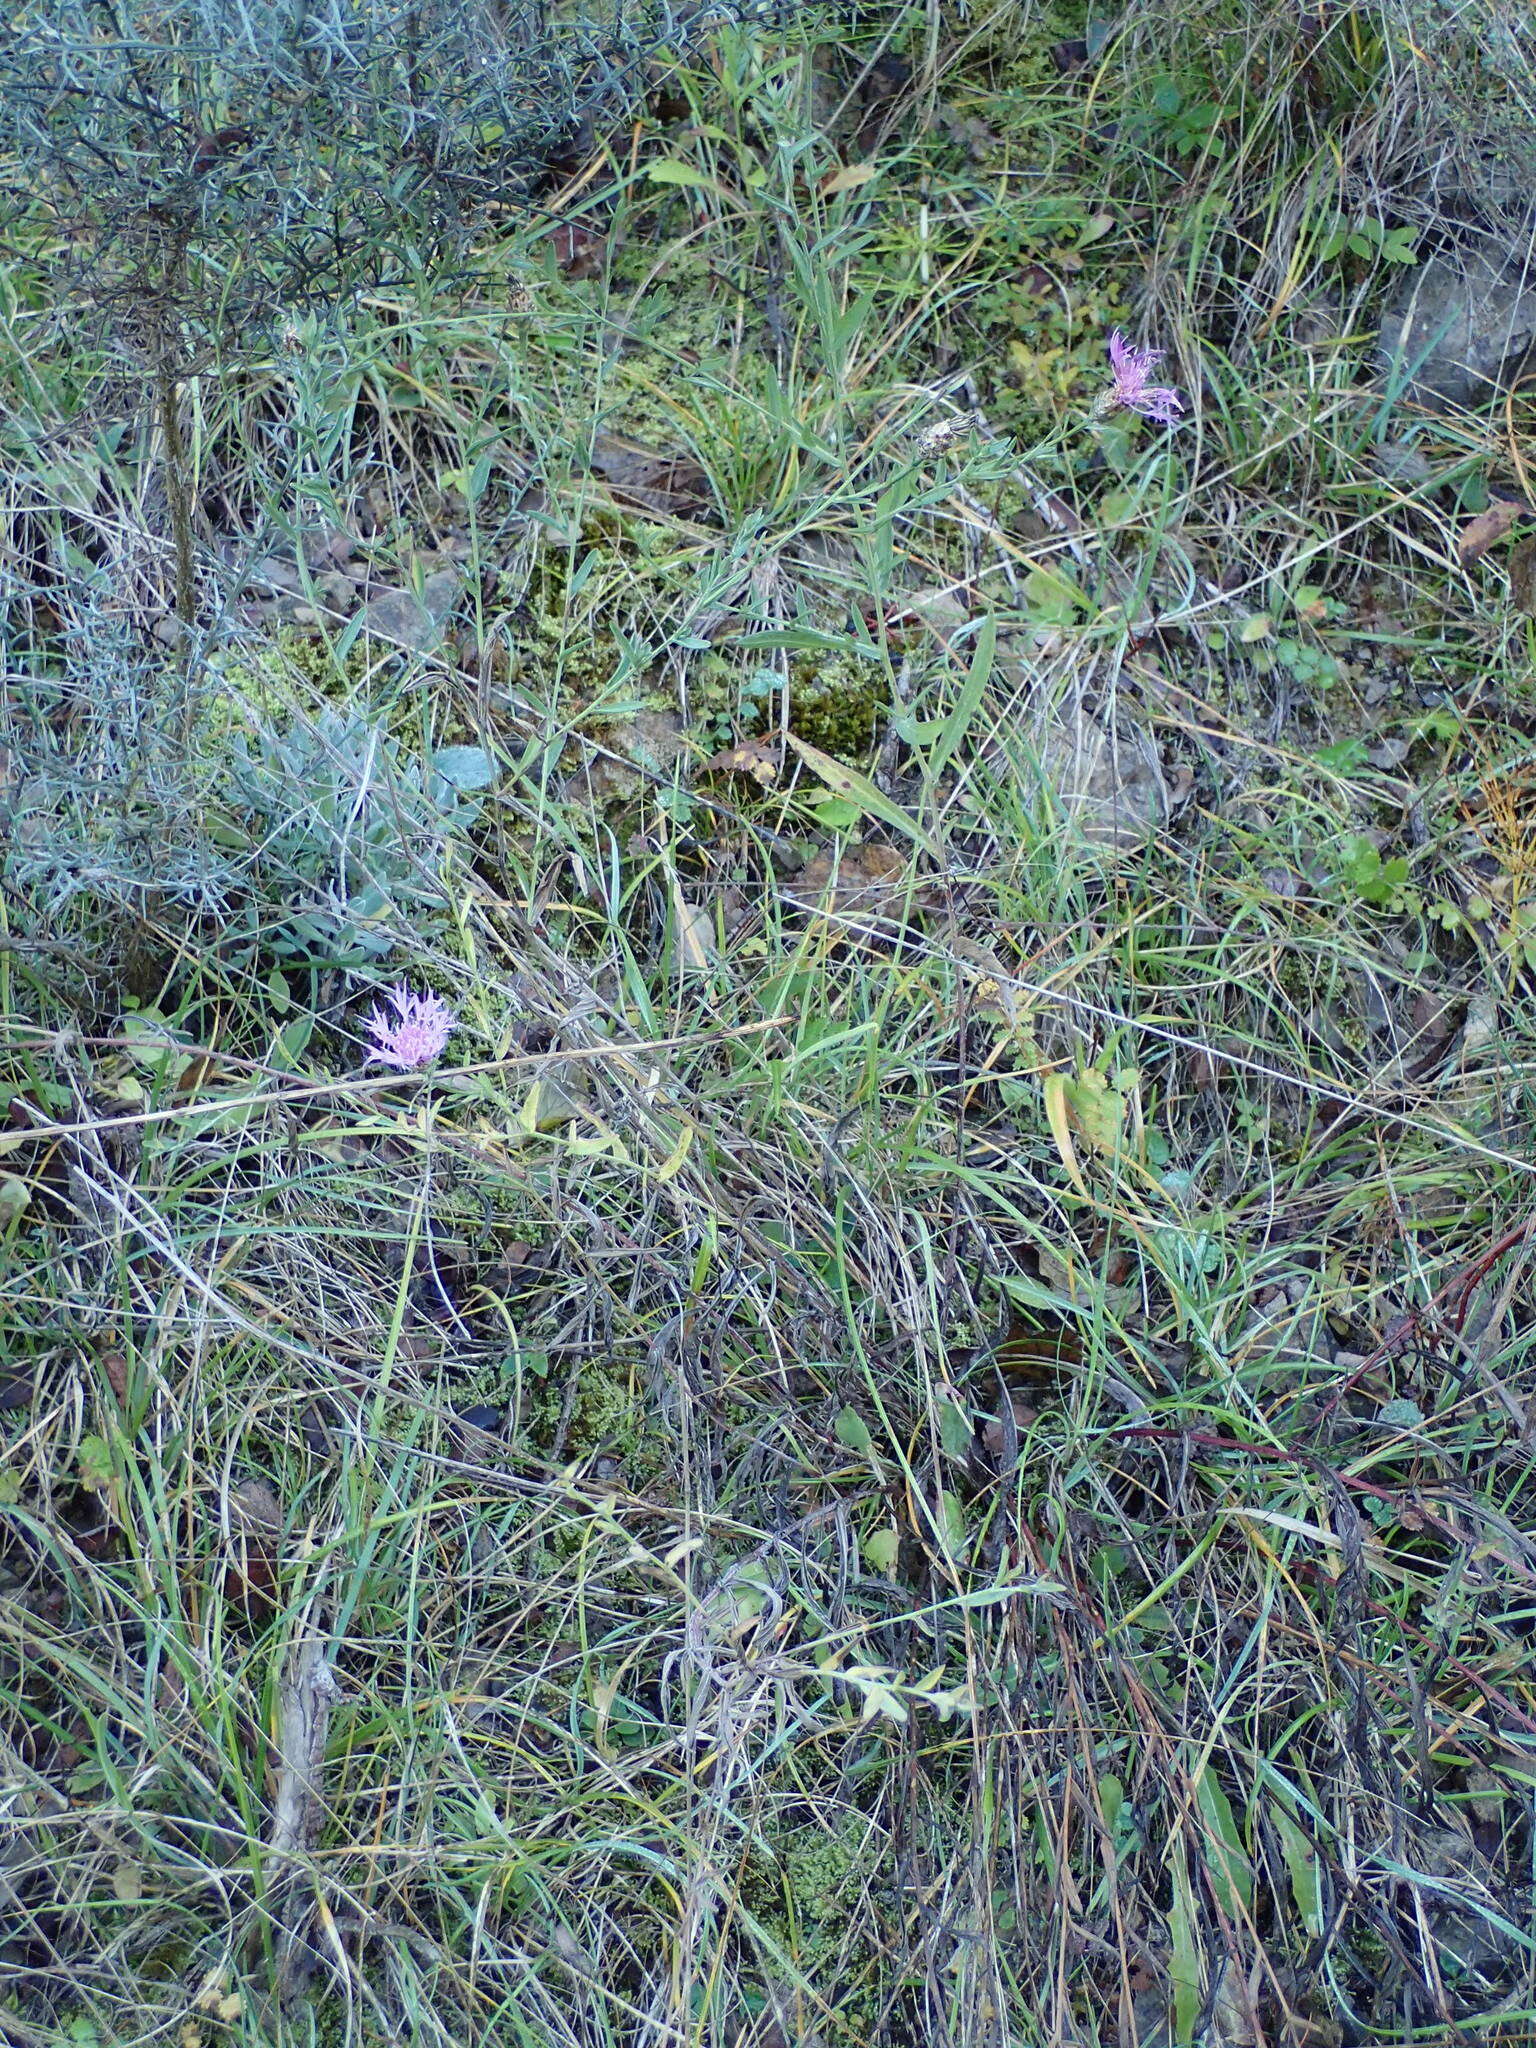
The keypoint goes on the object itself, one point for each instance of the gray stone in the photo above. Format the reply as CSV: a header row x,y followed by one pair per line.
x,y
414,623
1460,329
275,573
1492,182
1108,780
632,753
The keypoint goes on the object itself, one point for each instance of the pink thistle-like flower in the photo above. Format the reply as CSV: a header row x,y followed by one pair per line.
x,y
1132,368
415,1035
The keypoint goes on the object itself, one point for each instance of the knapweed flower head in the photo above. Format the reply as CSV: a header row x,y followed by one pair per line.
x,y
415,1034
1132,368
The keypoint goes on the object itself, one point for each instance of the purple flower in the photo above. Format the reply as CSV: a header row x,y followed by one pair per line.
x,y
1132,367
416,1033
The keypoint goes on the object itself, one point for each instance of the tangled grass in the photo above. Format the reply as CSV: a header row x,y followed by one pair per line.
x,y
922,1431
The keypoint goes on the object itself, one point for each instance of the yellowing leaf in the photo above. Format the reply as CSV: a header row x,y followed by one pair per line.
x,y
1097,1110
672,1166
669,171
861,792
1054,1088
848,178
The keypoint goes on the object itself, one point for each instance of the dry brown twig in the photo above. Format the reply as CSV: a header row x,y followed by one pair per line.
x,y
304,1719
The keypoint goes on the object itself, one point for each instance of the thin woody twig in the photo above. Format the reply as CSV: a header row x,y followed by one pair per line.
x,y
304,1721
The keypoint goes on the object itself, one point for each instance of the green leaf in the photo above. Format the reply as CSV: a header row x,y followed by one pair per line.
x,y
1097,1110
955,727
851,1429
859,791
1227,1869
1184,1960
1111,1801
1301,1863
669,170
465,768
952,1530
955,1432
881,1547
93,1461
151,1041
1345,756
1053,597
1118,508
289,1043
836,813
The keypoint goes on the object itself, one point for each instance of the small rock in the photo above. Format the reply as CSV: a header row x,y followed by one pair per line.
x,y
1109,782
483,1416
275,573
1482,1025
652,740
415,623
338,590
332,545
1460,329
1402,464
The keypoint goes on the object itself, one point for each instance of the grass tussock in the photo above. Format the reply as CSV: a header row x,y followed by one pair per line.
x,y
922,1430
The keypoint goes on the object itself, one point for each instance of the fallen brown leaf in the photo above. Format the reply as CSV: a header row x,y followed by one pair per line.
x,y
759,759
579,250
995,1433
648,478
256,1540
868,881
1480,534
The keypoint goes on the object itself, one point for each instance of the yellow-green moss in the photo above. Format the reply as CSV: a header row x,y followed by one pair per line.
x,y
837,704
